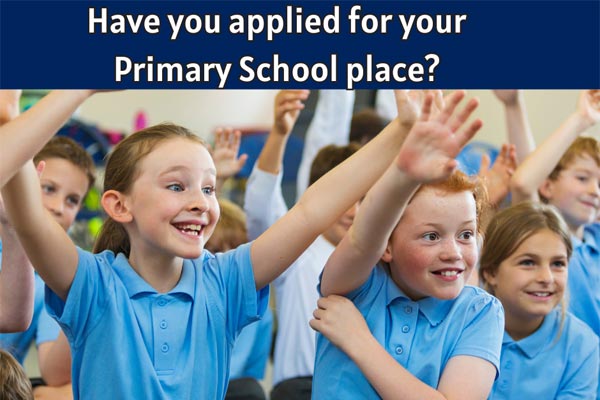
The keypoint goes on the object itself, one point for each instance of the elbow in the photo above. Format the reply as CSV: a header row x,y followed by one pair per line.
x,y
13,325
519,188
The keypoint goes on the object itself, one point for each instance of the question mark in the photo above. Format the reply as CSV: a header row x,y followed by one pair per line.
x,y
436,61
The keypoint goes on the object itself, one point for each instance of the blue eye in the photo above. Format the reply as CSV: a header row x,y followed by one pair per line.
x,y
48,189
526,262
559,264
73,201
175,187
208,190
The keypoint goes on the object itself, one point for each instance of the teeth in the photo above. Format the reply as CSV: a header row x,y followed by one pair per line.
x,y
190,228
449,273
541,294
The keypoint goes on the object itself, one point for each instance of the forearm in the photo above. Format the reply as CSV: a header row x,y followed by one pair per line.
x,y
271,156
46,244
27,134
352,262
16,284
538,165
389,378
519,130
55,362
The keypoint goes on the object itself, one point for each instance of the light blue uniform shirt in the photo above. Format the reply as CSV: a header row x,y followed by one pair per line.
x,y
584,278
252,348
42,329
421,335
541,366
130,342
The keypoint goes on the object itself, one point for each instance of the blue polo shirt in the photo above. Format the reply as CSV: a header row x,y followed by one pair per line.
x,y
546,366
421,335
584,278
130,342
252,348
42,329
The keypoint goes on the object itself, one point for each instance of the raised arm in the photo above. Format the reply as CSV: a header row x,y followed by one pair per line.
x,y
27,134
426,156
329,125
532,172
342,323
16,281
263,199
517,124
328,198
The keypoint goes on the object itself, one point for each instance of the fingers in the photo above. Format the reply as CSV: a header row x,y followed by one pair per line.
x,y
457,120
467,134
485,164
451,104
426,109
290,100
228,138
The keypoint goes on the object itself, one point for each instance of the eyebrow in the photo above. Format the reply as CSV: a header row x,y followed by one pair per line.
x,y
467,222
183,168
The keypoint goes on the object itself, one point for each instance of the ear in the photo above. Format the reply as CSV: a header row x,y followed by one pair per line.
x,y
387,254
115,206
547,188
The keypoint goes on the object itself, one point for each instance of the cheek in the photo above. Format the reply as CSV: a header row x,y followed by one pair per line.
x,y
471,255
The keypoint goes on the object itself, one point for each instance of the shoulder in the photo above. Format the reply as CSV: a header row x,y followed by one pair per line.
x,y
579,334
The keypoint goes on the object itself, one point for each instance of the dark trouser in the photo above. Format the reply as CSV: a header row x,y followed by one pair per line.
x,y
245,389
293,389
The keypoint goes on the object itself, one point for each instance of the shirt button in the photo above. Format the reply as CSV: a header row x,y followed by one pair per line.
x,y
161,302
399,350
164,347
163,324
405,328
408,309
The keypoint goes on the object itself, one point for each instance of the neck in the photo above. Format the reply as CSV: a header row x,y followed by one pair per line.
x,y
162,273
520,328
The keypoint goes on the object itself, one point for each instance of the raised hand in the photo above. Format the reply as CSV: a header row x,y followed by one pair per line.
x,y
288,104
338,319
588,106
428,153
497,178
9,105
410,103
225,153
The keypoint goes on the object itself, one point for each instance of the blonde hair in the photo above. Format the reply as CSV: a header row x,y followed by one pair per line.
x,y
230,231
583,145
14,384
510,227
122,170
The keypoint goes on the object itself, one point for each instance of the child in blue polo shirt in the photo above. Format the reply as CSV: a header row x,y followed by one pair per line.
x,y
547,353
564,171
427,327
152,315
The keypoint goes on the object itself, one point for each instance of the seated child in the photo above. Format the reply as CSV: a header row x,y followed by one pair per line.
x,y
14,384
547,353
422,220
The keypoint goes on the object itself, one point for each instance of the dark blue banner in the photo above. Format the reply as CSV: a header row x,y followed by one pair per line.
x,y
308,44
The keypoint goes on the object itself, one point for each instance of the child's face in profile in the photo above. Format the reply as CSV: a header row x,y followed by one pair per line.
x,y
576,191
64,186
433,249
531,281
335,233
172,203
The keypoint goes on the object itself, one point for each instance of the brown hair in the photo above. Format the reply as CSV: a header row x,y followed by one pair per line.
x,y
122,170
510,227
230,231
68,149
365,125
14,384
328,158
583,145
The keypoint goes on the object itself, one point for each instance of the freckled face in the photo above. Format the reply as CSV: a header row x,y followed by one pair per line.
x,y
433,248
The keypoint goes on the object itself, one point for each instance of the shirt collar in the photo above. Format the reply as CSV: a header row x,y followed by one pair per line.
x,y
135,284
533,344
434,310
591,236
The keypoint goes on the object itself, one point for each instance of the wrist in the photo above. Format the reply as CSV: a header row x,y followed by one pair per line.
x,y
581,121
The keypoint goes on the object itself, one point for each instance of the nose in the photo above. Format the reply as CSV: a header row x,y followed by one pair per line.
x,y
595,187
544,274
450,251
198,203
55,205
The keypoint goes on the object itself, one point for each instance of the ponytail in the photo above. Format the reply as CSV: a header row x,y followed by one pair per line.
x,y
112,237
